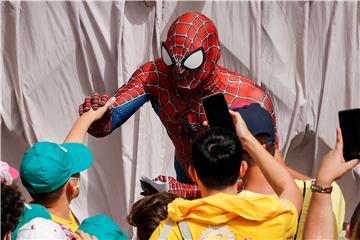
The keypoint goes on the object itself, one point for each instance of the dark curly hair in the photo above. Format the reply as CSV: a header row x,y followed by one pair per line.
x,y
12,204
147,213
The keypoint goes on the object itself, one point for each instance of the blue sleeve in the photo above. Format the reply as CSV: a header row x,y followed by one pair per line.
x,y
121,113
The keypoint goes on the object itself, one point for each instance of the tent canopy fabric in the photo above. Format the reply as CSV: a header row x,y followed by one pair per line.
x,y
53,54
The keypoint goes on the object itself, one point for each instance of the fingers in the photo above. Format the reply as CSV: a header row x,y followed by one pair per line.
x,y
339,140
234,115
205,123
95,101
103,99
84,235
237,119
76,236
81,109
85,107
350,164
87,104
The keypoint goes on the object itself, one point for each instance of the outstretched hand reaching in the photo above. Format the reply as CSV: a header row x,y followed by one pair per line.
x,y
333,165
98,112
93,103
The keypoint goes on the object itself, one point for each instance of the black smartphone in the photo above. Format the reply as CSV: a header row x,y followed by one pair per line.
x,y
350,128
217,112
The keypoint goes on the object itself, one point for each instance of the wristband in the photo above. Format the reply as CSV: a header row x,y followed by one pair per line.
x,y
320,189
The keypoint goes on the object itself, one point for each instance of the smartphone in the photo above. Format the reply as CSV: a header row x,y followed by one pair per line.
x,y
350,127
217,112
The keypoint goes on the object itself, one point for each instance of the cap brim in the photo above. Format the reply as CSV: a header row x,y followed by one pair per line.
x,y
264,132
81,156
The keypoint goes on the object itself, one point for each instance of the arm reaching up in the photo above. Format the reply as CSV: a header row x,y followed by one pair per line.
x,y
82,124
275,173
128,98
320,219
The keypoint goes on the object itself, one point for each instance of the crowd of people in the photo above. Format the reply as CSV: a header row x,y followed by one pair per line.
x,y
269,203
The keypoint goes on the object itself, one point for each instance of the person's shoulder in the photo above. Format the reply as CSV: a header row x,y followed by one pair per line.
x,y
336,188
338,204
167,229
250,194
266,199
281,210
31,211
337,196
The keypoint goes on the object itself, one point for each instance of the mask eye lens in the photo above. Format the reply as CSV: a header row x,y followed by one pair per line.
x,y
194,60
166,56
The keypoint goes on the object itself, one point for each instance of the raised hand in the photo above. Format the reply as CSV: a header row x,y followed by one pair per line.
x,y
97,113
81,126
333,165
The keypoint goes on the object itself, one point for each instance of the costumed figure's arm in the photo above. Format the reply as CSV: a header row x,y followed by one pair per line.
x,y
128,99
82,124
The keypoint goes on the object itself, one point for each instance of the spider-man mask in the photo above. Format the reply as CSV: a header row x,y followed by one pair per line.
x,y
191,49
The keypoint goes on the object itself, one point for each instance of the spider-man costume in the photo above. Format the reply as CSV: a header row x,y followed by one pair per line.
x,y
176,83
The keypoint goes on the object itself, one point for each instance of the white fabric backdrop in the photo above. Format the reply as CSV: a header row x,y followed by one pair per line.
x,y
54,53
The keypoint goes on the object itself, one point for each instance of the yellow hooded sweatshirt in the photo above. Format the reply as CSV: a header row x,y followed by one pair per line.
x,y
225,216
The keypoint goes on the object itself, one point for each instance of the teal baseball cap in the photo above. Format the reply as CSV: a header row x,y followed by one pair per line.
x,y
103,228
46,166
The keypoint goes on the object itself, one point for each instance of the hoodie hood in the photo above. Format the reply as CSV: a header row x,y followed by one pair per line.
x,y
222,208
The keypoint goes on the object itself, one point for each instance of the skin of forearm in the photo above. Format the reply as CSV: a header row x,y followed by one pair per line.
x,y
320,220
79,129
275,173
295,174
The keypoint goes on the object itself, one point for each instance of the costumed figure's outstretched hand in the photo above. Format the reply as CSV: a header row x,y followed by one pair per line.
x,y
101,109
93,102
102,126
81,126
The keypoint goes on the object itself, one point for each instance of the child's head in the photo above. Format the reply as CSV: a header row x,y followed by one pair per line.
x,y
49,170
147,213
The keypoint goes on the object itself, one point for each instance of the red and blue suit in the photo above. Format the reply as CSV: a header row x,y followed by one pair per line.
x,y
176,82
